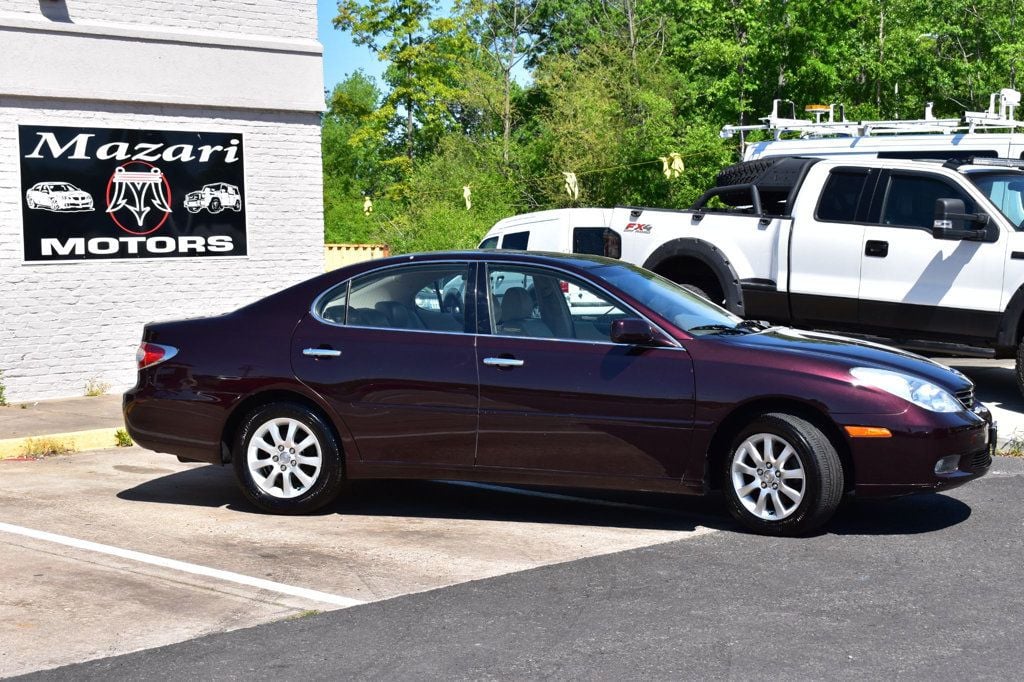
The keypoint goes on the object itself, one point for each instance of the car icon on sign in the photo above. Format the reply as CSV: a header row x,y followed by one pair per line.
x,y
62,197
214,198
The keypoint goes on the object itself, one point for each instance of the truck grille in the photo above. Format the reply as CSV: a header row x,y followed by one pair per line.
x,y
966,397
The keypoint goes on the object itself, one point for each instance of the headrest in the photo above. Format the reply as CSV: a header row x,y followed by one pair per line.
x,y
516,304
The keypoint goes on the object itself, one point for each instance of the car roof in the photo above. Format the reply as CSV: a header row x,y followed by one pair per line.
x,y
580,261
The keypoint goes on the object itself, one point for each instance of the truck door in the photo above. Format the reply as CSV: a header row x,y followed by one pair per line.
x,y
825,248
919,284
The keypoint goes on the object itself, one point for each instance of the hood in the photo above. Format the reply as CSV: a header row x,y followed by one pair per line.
x,y
851,353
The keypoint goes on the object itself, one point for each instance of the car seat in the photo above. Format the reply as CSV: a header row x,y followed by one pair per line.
x,y
517,315
399,316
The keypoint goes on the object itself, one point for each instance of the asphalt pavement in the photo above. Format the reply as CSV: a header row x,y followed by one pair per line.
x,y
923,587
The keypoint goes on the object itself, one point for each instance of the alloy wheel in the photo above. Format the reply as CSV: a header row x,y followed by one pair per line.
x,y
768,476
284,457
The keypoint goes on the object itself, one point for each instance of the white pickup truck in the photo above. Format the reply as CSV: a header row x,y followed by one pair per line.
x,y
928,255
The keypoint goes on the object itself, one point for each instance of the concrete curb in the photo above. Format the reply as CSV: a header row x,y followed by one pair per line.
x,y
74,441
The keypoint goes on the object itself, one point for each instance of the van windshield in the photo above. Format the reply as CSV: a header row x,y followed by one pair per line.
x,y
686,310
1005,191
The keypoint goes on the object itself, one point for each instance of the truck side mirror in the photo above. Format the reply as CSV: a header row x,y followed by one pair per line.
x,y
949,214
950,221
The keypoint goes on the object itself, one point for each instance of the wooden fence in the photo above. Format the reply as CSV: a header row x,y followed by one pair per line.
x,y
338,255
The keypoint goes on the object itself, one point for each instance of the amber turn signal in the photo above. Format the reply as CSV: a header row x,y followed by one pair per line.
x,y
868,432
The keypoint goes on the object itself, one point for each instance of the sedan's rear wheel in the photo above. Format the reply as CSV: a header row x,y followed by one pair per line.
x,y
287,460
783,476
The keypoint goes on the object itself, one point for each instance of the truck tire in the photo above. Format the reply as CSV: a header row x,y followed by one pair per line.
x,y
744,173
1019,366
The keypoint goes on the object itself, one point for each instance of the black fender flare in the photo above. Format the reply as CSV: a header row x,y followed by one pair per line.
x,y
711,256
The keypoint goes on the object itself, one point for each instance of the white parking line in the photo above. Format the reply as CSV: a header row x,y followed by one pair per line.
x,y
173,564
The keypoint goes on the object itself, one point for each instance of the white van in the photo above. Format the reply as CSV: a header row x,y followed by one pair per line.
x,y
571,230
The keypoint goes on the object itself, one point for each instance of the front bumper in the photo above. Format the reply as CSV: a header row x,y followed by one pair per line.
x,y
906,462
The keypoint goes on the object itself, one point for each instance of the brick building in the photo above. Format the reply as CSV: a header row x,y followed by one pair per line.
x,y
157,160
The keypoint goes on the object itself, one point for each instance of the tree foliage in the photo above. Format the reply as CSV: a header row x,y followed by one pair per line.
x,y
506,95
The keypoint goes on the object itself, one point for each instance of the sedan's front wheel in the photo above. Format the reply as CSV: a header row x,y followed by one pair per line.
x,y
783,476
287,460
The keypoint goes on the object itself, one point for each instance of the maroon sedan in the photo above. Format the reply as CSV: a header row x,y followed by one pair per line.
x,y
480,366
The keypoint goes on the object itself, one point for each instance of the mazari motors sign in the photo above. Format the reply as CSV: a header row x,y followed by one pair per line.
x,y
93,193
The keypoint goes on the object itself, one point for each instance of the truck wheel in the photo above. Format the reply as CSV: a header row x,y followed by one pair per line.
x,y
215,206
1019,366
696,290
782,476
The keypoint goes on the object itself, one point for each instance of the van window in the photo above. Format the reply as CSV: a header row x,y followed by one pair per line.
x,y
516,240
489,243
597,241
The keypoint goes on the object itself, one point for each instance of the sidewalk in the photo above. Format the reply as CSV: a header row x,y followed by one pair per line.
x,y
74,423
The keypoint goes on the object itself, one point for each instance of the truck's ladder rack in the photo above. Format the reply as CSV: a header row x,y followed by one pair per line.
x,y
999,116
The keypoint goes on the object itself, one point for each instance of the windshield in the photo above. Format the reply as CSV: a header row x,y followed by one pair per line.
x,y
687,311
1004,190
62,188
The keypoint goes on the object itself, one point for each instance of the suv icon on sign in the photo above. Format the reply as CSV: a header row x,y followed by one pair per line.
x,y
62,197
214,198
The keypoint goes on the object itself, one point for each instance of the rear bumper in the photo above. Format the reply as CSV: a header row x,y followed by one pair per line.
x,y
147,419
906,462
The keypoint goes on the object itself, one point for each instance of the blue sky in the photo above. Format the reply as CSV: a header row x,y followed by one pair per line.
x,y
341,57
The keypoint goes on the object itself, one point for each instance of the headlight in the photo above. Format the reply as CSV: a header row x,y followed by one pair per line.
x,y
912,389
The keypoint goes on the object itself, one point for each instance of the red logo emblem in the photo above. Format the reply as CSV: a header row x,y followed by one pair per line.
x,y
138,197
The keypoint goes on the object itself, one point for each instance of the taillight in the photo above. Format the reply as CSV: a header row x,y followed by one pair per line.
x,y
150,354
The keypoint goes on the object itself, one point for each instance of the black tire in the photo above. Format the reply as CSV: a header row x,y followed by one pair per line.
x,y
821,487
238,206
326,483
744,173
215,205
693,289
1019,367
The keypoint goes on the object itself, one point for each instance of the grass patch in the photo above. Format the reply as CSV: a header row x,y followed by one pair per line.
x,y
37,448
304,614
1014,447
123,439
96,387
3,390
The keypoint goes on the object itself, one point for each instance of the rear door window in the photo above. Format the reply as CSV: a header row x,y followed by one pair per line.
x,y
842,196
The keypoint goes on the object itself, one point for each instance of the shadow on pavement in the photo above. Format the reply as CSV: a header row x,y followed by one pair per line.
x,y
909,515
212,486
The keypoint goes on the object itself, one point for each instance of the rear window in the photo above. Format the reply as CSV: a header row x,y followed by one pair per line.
x,y
841,196
516,240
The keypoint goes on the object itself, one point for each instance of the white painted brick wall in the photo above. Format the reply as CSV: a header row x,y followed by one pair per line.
x,y
280,18
63,324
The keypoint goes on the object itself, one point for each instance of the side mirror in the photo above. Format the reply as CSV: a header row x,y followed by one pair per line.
x,y
632,331
950,221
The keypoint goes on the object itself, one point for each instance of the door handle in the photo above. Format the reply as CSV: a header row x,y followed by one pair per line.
x,y
877,249
321,352
503,362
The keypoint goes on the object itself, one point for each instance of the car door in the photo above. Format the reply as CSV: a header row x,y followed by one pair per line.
x,y
825,248
557,395
917,284
398,370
